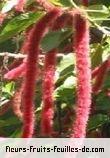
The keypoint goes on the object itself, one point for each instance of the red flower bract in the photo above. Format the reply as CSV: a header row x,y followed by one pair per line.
x,y
30,79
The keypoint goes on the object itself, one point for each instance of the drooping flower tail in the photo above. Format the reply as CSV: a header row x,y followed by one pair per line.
x,y
16,102
48,83
100,76
48,89
30,79
95,71
16,72
81,46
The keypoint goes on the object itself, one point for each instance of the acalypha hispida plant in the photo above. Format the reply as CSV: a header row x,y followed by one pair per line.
x,y
27,71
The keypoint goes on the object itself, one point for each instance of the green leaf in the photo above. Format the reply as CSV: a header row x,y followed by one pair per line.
x,y
64,3
1,5
97,55
8,88
106,48
16,134
69,82
106,84
53,39
67,60
18,24
8,46
104,2
98,11
102,102
9,122
65,67
97,121
9,5
66,92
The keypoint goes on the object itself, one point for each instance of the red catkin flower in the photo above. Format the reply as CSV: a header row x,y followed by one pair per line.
x,y
48,89
24,48
95,72
20,6
16,102
15,64
16,72
30,79
100,76
85,2
81,46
